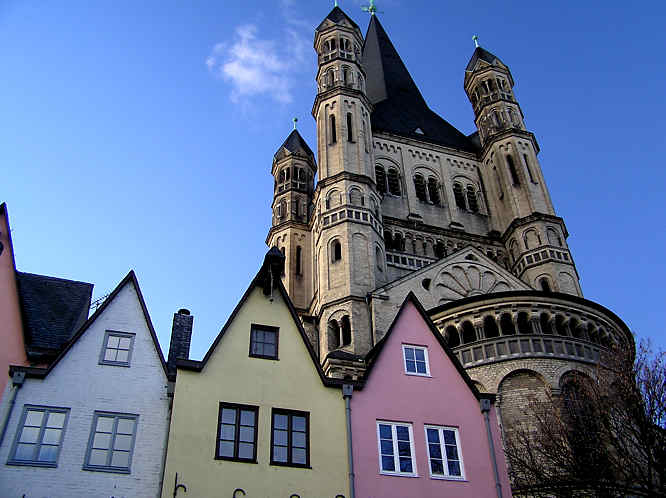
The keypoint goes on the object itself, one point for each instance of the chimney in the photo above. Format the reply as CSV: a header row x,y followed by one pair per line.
x,y
181,335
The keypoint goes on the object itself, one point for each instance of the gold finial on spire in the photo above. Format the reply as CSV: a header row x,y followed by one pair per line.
x,y
295,120
476,41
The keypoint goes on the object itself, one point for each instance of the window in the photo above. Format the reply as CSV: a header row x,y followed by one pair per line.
x,y
299,252
416,360
529,170
380,177
334,137
444,452
396,449
264,341
290,438
337,251
350,130
472,201
237,433
420,187
346,331
117,349
111,442
512,170
433,190
459,196
39,436
393,181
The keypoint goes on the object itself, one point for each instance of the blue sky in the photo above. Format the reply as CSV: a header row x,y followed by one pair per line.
x,y
139,135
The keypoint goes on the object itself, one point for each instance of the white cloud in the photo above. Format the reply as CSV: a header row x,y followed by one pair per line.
x,y
255,66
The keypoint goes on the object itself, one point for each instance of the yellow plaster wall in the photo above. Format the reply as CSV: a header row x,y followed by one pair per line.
x,y
230,375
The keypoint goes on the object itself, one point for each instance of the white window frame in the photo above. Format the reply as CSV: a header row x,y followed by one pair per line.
x,y
396,456
46,410
105,345
445,461
425,354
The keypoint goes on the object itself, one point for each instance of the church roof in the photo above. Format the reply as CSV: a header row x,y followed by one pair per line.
x,y
482,54
337,15
399,106
295,144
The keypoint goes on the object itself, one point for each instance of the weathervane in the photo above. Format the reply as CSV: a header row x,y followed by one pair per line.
x,y
295,120
372,9
336,3
476,41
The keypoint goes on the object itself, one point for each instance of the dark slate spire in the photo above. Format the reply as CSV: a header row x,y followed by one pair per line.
x,y
399,106
482,54
336,16
294,144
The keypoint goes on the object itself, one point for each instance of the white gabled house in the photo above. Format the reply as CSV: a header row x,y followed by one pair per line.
x,y
95,422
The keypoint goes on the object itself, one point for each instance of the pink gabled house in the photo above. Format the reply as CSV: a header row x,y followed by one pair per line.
x,y
420,428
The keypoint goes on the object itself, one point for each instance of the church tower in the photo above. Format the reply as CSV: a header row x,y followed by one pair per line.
x,y
347,230
522,209
293,171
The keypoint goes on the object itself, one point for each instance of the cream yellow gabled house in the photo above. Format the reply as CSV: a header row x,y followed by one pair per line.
x,y
256,417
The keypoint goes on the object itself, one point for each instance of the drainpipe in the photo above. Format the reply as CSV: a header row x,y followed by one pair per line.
x,y
485,409
347,391
17,382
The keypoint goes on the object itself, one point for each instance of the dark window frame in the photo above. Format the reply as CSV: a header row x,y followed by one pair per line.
x,y
114,434
47,410
105,346
265,328
290,414
238,407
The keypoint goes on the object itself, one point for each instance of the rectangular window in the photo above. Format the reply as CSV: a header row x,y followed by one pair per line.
x,y
237,433
444,452
111,442
416,360
290,438
117,349
264,341
396,449
39,436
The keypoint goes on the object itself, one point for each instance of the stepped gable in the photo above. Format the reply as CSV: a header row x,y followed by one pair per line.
x,y
52,309
399,106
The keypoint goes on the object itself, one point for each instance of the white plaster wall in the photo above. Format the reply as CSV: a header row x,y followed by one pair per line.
x,y
78,382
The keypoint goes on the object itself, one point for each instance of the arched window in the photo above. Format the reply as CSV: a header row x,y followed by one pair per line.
x,y
388,240
472,201
544,321
452,337
506,324
334,137
336,251
440,250
468,332
524,323
553,237
379,259
282,176
333,335
380,177
282,209
345,75
459,195
393,181
545,285
329,79
299,252
576,329
512,170
346,331
420,187
433,190
490,327
350,131
500,192
559,325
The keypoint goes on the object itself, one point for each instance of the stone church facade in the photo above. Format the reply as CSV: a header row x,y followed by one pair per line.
x,y
405,202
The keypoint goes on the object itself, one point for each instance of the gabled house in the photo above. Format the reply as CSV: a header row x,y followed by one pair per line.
x,y
94,422
256,416
420,427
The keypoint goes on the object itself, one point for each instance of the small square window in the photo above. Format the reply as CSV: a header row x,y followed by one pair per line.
x,y
396,449
117,349
264,342
444,453
39,436
111,442
237,433
290,438
416,360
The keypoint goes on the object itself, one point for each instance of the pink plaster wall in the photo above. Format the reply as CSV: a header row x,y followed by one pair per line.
x,y
442,399
12,349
